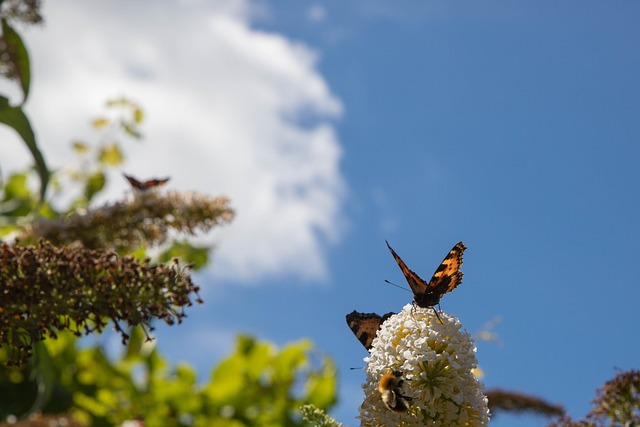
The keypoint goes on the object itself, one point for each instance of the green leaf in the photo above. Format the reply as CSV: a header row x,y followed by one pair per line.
x,y
186,374
118,102
94,185
80,147
111,155
228,381
17,199
19,56
139,253
16,187
45,210
130,129
134,345
8,229
321,385
43,371
15,118
138,115
185,251
99,123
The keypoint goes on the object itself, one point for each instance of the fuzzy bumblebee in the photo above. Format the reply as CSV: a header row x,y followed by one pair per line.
x,y
390,390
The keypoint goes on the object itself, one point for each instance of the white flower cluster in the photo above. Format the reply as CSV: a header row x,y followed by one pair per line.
x,y
431,360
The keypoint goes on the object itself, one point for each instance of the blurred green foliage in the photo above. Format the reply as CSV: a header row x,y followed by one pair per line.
x,y
256,385
15,65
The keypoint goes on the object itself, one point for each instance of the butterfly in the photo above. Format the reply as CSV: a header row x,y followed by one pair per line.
x,y
145,185
389,388
365,326
446,278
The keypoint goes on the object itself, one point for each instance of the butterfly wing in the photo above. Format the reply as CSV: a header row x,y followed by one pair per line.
x,y
418,286
445,279
448,275
145,185
134,182
156,182
365,326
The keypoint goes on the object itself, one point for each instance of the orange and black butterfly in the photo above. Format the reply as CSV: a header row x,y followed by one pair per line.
x,y
145,185
365,326
446,278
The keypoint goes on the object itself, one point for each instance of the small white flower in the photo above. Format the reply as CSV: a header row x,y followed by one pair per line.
x,y
433,363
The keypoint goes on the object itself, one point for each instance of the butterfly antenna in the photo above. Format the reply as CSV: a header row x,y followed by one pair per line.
x,y
397,286
353,369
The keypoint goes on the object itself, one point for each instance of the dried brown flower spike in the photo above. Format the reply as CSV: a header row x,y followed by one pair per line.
x,y
45,289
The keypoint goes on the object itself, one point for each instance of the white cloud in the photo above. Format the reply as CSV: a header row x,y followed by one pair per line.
x,y
231,110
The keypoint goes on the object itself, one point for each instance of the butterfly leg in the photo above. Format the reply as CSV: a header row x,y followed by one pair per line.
x,y
413,309
437,315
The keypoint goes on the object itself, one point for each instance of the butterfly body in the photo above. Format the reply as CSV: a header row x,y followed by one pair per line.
x,y
389,388
445,279
365,326
146,185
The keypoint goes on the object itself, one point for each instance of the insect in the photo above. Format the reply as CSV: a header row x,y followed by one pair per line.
x,y
145,185
365,326
389,388
445,279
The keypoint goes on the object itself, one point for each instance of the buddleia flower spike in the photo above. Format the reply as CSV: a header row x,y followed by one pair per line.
x,y
432,365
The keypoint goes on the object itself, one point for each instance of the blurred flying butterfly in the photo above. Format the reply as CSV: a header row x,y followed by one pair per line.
x,y
365,326
389,387
445,279
145,185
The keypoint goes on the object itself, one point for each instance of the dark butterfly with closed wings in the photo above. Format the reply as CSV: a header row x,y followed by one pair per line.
x,y
365,326
446,278
145,185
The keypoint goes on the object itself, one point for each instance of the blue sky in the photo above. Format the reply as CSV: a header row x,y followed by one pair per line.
x,y
512,126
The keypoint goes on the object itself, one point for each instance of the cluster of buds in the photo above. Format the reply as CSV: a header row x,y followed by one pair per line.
x,y
145,219
46,289
25,11
618,401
